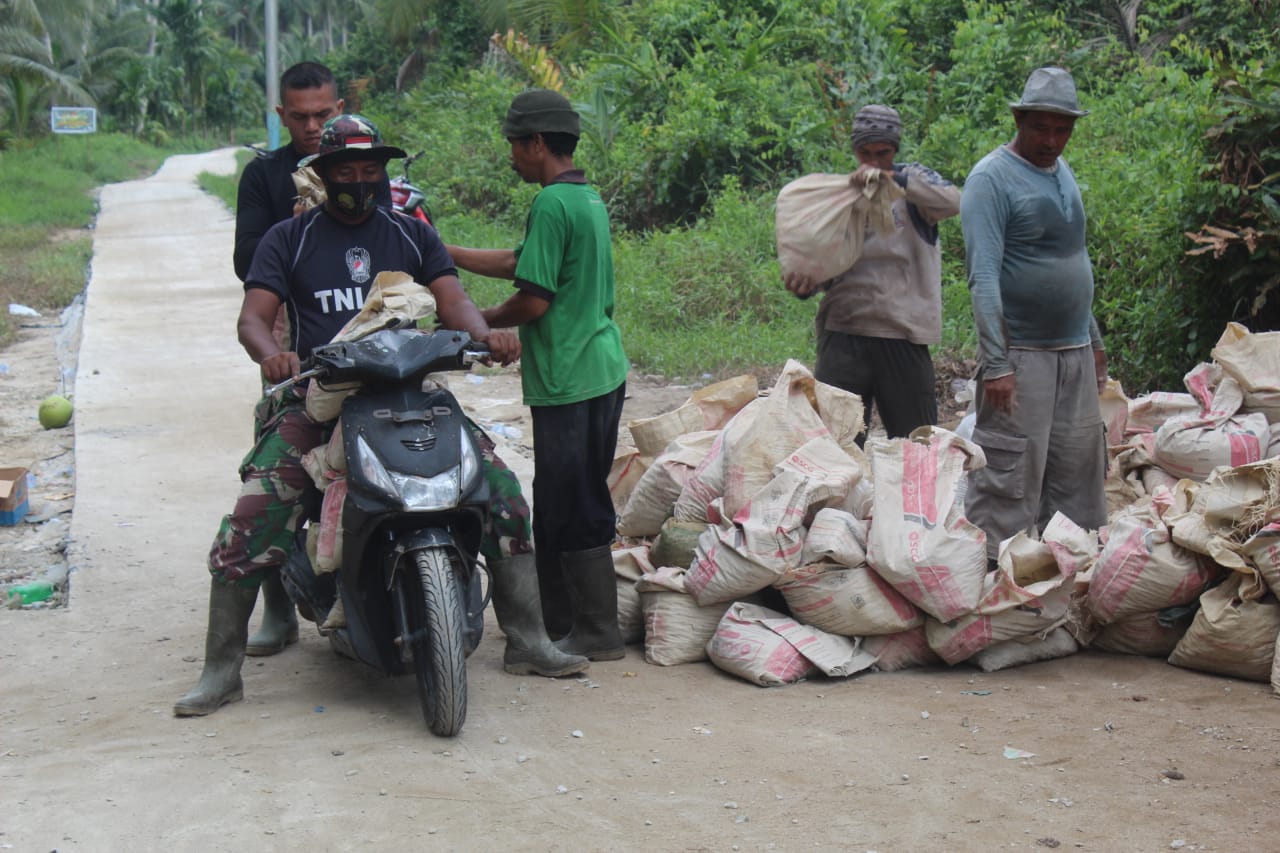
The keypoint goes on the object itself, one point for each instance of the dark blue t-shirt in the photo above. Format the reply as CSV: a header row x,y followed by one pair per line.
x,y
322,269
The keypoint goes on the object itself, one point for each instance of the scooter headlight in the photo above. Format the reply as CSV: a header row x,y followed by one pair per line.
x,y
372,469
442,491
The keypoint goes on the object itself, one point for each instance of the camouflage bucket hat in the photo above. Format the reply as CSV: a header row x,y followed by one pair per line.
x,y
352,137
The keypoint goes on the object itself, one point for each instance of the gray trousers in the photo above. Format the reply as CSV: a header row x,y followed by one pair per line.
x,y
1049,456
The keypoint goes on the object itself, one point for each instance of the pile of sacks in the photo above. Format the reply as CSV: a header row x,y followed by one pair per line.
x,y
759,536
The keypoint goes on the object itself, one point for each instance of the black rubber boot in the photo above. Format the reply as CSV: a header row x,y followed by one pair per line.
x,y
229,610
593,589
279,620
519,611
553,589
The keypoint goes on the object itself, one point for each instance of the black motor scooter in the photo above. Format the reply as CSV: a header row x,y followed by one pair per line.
x,y
416,508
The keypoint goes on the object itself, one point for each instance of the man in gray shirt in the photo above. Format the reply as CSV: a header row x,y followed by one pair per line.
x,y
1041,362
879,317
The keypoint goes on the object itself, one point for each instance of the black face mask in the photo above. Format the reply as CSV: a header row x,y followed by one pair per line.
x,y
356,200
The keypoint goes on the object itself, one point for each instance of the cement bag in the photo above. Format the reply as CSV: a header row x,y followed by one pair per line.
x,y
628,467
676,629
767,535
1193,445
820,221
1154,477
1217,516
1141,569
851,602
675,543
652,435
1231,635
1058,643
1149,412
1153,635
768,648
1262,551
1275,669
653,498
835,536
725,566
328,555
1029,593
764,432
1124,484
629,565
964,637
706,483
720,401
308,187
1115,411
906,650
1253,360
920,541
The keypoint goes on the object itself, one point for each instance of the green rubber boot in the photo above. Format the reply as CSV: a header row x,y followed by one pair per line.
x,y
593,590
229,610
279,620
516,604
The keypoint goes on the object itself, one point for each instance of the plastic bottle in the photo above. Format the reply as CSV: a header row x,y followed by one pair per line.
x,y
28,593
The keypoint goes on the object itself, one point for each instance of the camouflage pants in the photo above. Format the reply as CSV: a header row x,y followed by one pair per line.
x,y
256,537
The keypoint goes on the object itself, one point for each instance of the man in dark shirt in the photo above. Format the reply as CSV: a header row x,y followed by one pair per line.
x,y
320,266
309,97
266,196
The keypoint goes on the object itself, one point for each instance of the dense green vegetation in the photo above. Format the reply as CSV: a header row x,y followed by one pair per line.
x,y
697,111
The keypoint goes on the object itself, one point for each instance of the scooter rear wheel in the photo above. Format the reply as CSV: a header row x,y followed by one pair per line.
x,y
436,620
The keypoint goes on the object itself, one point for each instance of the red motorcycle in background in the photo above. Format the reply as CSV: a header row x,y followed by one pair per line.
x,y
406,197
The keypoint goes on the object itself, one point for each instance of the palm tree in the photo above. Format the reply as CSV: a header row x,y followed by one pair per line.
x,y
29,73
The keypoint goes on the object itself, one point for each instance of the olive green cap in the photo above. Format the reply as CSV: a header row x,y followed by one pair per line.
x,y
540,111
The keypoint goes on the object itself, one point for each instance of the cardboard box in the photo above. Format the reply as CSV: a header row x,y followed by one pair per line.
x,y
13,495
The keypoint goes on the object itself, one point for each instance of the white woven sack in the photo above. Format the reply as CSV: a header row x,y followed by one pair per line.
x,y
767,648
1231,635
676,629
629,565
1058,643
820,221
1143,634
852,602
1141,569
906,650
1193,445
920,541
836,536
654,496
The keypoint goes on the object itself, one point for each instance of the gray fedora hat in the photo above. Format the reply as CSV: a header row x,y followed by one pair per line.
x,y
1050,90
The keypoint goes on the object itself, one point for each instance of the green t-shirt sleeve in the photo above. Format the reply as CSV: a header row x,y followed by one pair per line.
x,y
541,254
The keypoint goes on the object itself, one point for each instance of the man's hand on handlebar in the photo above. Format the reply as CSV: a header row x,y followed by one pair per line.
x,y
281,366
504,346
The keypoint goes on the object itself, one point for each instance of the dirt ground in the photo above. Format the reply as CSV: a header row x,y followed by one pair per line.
x,y
1124,753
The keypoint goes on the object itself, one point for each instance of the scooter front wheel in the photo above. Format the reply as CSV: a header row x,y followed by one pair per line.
x,y
436,625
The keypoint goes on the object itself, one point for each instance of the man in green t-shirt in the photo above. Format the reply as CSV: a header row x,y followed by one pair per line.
x,y
573,370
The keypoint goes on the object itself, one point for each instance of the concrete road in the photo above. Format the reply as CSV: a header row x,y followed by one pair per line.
x,y
324,755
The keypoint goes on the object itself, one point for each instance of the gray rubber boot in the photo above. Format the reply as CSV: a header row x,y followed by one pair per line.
x,y
279,620
593,589
229,610
519,610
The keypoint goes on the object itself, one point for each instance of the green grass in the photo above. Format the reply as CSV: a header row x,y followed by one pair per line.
x,y
47,206
224,186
